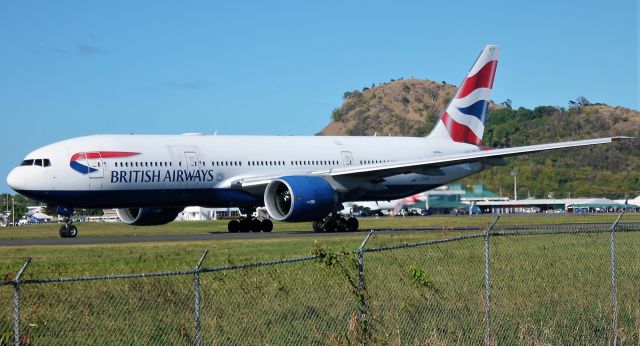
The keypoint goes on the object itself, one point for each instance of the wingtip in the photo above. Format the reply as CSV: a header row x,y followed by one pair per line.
x,y
621,138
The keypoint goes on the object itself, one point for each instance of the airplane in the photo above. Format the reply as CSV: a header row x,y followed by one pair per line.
x,y
391,206
151,178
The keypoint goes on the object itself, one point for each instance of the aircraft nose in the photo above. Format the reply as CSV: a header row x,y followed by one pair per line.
x,y
16,180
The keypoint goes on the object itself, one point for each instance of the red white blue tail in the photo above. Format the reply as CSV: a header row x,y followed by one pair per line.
x,y
466,115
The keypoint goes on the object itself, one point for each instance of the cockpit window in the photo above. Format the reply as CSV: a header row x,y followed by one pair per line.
x,y
36,162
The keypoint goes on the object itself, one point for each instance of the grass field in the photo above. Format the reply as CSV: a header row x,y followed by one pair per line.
x,y
199,227
546,289
117,258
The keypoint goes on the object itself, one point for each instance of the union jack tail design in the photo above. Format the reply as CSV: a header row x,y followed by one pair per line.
x,y
465,117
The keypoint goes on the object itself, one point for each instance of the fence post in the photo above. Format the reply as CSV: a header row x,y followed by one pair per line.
x,y
487,284
16,303
362,316
196,289
614,280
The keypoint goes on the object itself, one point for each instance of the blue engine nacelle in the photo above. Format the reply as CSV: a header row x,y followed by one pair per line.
x,y
299,198
147,216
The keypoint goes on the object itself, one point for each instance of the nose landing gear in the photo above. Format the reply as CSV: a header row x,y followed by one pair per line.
x,y
68,230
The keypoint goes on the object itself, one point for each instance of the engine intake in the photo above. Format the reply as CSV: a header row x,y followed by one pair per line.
x,y
147,216
299,198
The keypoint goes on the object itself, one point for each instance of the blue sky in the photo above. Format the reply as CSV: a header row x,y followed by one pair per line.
x,y
72,68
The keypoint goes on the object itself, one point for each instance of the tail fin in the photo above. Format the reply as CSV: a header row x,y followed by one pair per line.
x,y
465,117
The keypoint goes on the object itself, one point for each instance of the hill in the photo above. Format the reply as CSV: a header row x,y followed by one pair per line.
x,y
411,108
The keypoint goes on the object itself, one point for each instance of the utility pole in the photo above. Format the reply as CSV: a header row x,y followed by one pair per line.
x,y
13,211
514,172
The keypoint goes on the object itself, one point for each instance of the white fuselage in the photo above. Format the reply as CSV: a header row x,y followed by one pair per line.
x,y
178,170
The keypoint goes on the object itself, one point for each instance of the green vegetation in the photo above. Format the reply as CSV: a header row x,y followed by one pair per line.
x,y
444,222
546,290
607,170
336,115
412,107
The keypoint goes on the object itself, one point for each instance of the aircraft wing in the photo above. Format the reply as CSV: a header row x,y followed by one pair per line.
x,y
488,156
431,165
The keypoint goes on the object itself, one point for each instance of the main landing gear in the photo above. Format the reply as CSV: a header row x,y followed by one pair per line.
x,y
249,223
68,230
335,223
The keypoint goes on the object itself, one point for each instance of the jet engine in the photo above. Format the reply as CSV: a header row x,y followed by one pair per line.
x,y
147,216
299,198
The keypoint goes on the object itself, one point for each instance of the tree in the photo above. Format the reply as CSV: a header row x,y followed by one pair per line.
x,y
582,101
506,104
336,114
579,102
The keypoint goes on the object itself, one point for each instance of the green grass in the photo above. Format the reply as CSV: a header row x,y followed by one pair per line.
x,y
546,289
200,227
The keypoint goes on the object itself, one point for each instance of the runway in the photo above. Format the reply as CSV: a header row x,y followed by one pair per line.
x,y
168,238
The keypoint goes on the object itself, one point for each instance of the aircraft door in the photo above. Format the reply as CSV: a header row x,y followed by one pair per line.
x,y
347,158
192,162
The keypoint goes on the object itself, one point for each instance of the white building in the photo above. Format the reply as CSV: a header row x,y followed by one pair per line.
x,y
531,205
635,201
205,214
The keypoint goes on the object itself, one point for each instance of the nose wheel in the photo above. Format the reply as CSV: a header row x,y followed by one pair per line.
x,y
68,230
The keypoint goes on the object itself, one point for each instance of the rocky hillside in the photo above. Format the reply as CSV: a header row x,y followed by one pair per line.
x,y
403,107
411,107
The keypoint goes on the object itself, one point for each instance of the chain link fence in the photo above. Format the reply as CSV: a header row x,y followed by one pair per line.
x,y
495,287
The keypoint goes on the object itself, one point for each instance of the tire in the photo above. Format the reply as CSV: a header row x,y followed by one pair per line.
x,y
267,225
63,231
233,226
330,226
255,225
318,226
341,225
245,226
72,231
352,224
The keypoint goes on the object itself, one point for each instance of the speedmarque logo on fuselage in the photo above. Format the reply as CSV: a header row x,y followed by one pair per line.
x,y
79,161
